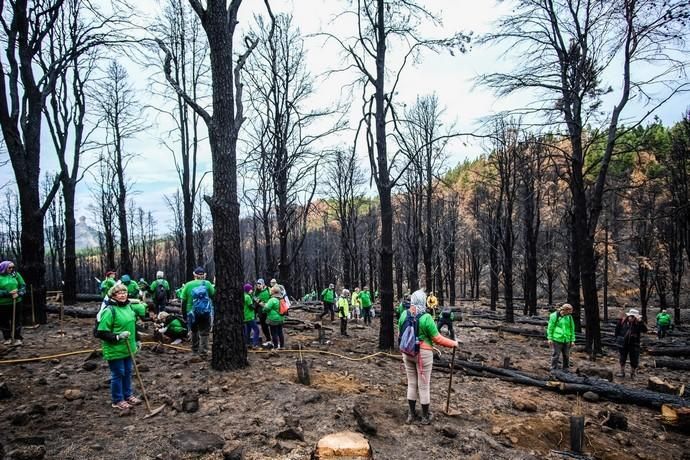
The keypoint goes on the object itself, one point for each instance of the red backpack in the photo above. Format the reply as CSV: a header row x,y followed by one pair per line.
x,y
284,306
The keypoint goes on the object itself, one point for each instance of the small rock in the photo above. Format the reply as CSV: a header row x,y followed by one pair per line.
x,y
615,420
233,450
225,388
190,404
73,394
590,396
37,409
42,381
143,368
28,453
291,433
364,421
524,405
177,375
329,363
5,392
449,432
496,430
89,366
63,376
513,439
55,361
19,418
197,441
97,447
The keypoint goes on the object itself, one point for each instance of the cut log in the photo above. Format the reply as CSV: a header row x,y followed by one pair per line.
x,y
681,352
675,364
675,415
657,384
564,382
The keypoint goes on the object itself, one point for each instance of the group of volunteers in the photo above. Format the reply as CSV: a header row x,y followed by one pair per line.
x,y
355,305
265,308
560,333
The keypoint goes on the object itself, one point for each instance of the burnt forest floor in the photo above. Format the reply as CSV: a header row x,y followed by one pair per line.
x,y
265,413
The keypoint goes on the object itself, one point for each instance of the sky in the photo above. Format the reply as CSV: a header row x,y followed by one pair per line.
x,y
450,77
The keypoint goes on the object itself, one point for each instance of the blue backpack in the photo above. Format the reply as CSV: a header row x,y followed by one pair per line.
x,y
201,302
409,337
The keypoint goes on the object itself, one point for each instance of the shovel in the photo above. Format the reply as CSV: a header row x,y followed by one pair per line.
x,y
450,385
155,411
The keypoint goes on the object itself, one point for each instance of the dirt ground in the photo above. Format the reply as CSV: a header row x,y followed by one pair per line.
x,y
262,412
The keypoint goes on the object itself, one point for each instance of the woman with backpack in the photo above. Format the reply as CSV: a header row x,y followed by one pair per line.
x,y
274,319
418,334
117,330
628,331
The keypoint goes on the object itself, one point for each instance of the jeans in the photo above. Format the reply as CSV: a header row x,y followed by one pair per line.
x,y
328,308
120,379
6,321
264,326
277,335
251,333
366,314
633,351
661,331
558,349
200,331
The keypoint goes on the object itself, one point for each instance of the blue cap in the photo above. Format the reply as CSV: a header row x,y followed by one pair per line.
x,y
199,271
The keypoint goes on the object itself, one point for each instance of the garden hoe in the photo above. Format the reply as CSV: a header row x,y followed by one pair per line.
x,y
155,411
447,410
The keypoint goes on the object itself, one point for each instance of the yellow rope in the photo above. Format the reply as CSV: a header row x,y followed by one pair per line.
x,y
322,352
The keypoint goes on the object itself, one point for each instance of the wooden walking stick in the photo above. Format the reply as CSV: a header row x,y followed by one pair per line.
x,y
151,413
33,309
450,385
14,316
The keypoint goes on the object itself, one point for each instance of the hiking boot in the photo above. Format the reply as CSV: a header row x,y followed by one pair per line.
x,y
427,419
411,418
133,400
122,405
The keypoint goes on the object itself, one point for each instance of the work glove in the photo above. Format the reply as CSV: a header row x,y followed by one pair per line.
x,y
162,330
22,291
138,347
122,335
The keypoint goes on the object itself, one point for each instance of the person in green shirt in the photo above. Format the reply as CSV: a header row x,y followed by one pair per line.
x,y
446,318
344,311
132,287
200,324
172,326
12,292
261,296
274,319
560,333
160,290
418,368
117,331
328,298
663,323
251,330
108,283
365,303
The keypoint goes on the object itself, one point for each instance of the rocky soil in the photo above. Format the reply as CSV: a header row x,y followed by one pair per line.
x,y
59,408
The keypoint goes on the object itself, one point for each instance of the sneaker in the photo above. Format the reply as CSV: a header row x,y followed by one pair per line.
x,y
122,405
7,342
133,400
411,418
18,343
176,342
